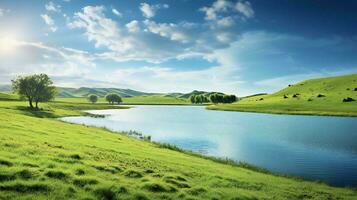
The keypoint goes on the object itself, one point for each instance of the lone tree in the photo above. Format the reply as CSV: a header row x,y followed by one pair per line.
x,y
35,88
93,98
113,98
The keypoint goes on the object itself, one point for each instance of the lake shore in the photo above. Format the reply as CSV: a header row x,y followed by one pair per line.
x,y
274,110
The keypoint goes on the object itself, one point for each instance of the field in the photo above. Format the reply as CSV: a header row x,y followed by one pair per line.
x,y
154,100
43,158
315,97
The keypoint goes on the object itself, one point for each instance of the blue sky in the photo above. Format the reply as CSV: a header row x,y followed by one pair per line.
x,y
240,46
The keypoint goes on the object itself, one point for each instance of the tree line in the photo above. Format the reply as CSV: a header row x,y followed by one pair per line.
x,y
214,98
111,98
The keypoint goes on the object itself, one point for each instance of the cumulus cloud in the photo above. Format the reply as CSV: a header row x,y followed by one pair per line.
x,y
245,8
50,6
49,21
39,58
133,26
116,12
168,30
223,12
156,43
149,11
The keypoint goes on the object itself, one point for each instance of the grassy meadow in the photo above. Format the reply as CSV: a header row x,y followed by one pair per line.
x,y
43,158
322,96
138,100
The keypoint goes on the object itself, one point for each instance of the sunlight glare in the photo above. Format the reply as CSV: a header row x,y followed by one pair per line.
x,y
7,45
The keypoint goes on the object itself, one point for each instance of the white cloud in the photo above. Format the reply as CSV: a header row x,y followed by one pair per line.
x,y
149,11
245,8
49,21
50,6
223,12
3,11
225,22
168,30
116,12
39,58
133,26
157,43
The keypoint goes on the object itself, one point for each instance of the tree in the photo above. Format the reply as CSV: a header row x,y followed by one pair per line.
x,y
93,98
213,98
192,99
113,98
35,88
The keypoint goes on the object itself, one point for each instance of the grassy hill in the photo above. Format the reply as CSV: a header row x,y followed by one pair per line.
x,y
43,158
323,96
101,92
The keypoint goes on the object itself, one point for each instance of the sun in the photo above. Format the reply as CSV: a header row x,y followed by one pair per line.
x,y
8,44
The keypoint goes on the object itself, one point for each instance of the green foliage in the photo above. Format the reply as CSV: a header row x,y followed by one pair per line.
x,y
222,98
93,98
35,88
113,98
199,99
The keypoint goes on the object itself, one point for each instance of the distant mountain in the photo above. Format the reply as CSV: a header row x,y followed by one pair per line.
x,y
68,92
101,92
5,88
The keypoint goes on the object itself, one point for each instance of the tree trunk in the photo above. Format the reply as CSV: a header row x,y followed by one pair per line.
x,y
36,104
30,102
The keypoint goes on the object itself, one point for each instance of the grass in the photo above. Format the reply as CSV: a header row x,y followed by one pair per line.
x,y
138,100
43,158
312,97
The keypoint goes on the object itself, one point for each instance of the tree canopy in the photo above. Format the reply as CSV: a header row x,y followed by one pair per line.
x,y
35,88
93,98
214,98
113,98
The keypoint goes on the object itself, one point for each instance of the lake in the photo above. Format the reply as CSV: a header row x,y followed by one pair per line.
x,y
314,147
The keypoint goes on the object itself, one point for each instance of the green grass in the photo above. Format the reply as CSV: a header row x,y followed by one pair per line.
x,y
43,158
333,89
139,100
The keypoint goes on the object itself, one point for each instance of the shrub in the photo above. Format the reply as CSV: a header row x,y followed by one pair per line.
x,y
348,99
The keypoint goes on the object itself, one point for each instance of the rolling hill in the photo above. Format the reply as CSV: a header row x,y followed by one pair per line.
x,y
322,96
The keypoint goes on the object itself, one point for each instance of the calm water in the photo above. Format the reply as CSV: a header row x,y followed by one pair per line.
x,y
313,147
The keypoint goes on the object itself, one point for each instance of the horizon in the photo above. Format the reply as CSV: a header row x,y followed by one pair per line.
x,y
238,47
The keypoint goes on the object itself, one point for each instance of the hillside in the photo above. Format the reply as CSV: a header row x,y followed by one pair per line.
x,y
195,92
323,96
101,92
43,158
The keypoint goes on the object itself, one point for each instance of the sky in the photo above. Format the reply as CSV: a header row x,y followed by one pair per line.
x,y
241,47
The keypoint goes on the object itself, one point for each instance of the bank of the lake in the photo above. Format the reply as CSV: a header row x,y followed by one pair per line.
x,y
43,158
332,96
